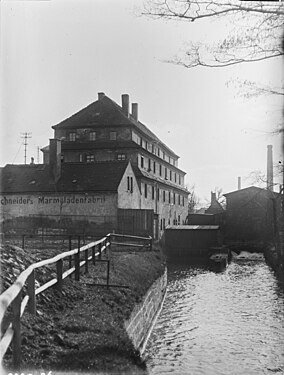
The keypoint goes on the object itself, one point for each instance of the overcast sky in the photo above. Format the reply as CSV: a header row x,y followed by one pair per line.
x,y
57,55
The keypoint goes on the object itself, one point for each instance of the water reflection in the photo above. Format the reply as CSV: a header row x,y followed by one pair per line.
x,y
220,323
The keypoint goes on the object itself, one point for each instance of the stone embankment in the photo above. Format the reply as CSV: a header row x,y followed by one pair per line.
x,y
84,327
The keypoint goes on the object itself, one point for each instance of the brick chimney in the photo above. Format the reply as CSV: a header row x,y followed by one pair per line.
x,y
54,160
239,183
125,104
269,168
100,95
213,197
135,111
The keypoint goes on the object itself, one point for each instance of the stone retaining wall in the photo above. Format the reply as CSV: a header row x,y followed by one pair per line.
x,y
142,318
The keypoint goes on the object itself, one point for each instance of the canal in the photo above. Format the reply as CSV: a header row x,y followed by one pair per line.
x,y
230,323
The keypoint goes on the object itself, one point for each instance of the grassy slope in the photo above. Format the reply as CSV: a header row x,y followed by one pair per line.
x,y
82,328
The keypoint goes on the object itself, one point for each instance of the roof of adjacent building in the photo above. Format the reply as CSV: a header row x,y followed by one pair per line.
x,y
75,177
193,227
252,190
105,112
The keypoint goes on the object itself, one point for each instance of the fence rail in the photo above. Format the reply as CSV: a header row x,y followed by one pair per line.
x,y
13,295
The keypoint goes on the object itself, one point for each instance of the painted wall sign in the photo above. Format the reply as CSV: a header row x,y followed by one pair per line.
x,y
44,200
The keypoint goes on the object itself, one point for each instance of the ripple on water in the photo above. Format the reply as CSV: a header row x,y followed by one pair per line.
x,y
220,323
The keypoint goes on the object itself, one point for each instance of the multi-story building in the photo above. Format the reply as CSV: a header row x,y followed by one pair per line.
x,y
104,132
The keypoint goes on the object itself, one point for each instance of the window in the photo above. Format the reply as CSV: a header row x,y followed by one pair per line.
x,y
169,197
179,199
112,136
158,151
166,173
149,165
145,190
90,158
153,192
130,184
154,166
183,201
158,194
164,196
174,198
160,170
164,223
164,155
142,162
121,157
178,219
72,137
93,136
175,177
161,224
170,175
179,179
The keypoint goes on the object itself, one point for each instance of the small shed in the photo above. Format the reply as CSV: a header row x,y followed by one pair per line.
x,y
191,241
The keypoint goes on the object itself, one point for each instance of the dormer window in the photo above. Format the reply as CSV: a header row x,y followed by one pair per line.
x,y
93,136
72,137
90,158
121,157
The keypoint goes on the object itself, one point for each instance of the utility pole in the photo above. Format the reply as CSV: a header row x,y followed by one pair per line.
x,y
25,137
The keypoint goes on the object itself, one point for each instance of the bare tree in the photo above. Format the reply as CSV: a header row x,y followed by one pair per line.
x,y
256,38
193,200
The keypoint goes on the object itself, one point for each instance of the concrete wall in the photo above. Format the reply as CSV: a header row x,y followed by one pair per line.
x,y
15,205
142,318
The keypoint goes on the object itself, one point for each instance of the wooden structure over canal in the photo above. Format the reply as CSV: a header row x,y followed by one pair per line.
x,y
191,241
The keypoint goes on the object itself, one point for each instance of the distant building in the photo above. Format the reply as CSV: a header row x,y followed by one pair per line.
x,y
251,215
98,145
215,207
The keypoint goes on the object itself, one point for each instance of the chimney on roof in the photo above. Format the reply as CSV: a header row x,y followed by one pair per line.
x,y
135,111
269,168
55,159
101,95
125,104
213,197
239,183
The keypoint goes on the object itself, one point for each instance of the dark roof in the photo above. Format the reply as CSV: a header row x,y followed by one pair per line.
x,y
105,112
97,145
75,177
252,189
193,227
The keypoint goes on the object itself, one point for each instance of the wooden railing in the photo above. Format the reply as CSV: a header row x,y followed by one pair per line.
x,y
13,295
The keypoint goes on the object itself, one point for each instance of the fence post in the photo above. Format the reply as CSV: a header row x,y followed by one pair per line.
x,y
31,293
16,308
100,250
70,257
94,254
107,274
59,270
86,260
77,262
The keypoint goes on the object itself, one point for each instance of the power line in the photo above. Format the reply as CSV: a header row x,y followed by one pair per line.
x,y
26,136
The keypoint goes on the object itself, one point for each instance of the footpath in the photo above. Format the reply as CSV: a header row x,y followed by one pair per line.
x,y
82,328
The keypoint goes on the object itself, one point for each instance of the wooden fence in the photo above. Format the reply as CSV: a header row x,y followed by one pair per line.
x,y
13,295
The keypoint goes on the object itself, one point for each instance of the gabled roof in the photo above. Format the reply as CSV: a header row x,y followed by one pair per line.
x,y
252,190
75,177
105,112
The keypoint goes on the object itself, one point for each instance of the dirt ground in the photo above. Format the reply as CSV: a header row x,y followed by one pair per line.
x,y
81,329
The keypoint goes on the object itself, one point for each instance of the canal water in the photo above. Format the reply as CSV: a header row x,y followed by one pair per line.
x,y
229,322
